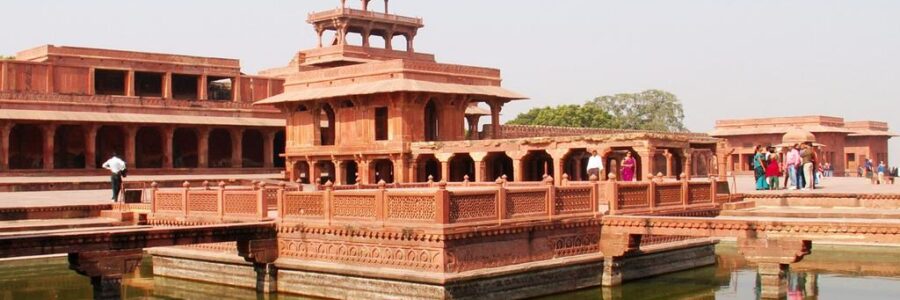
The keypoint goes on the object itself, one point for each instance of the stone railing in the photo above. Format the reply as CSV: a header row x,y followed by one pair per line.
x,y
440,206
432,184
343,11
206,204
655,197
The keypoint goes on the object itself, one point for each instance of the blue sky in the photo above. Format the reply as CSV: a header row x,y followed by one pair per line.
x,y
723,59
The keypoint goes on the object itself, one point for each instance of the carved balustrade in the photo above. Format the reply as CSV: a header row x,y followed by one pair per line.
x,y
442,206
652,197
210,205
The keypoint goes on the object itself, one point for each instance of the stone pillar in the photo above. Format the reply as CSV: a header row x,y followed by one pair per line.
x,y
409,43
646,162
388,40
262,253
385,6
91,88
559,163
444,158
687,159
401,171
49,138
236,89
3,77
203,147
106,269
319,32
480,166
338,172
5,130
202,88
237,156
90,146
495,119
614,247
364,171
773,257
129,84
168,136
670,170
130,149
269,149
167,86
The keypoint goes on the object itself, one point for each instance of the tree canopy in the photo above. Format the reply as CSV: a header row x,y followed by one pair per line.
x,y
648,110
566,116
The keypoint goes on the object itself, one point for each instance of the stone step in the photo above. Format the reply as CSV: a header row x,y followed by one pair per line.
x,y
20,226
815,213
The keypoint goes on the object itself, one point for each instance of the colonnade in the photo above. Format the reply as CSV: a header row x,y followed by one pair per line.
x,y
55,146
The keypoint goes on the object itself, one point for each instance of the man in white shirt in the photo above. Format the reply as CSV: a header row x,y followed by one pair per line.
x,y
116,166
595,164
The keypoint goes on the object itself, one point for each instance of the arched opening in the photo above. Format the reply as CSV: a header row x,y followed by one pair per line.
x,y
354,39
26,147
329,38
219,148
325,172
301,171
659,164
498,164
252,149
376,40
537,164
184,148
278,149
148,148
432,124
326,126
428,165
69,147
110,139
462,165
351,172
398,43
613,162
382,169
576,164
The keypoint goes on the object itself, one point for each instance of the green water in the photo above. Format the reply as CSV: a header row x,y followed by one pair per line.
x,y
828,273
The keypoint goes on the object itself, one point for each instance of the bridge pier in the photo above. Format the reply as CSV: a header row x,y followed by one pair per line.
x,y
773,257
106,268
262,253
614,247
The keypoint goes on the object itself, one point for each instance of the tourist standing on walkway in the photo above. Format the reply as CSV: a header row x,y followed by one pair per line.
x,y
792,162
881,169
868,168
595,165
806,156
116,166
628,165
773,170
759,163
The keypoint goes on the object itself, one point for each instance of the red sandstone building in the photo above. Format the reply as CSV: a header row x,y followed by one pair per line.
x,y
847,144
362,113
66,109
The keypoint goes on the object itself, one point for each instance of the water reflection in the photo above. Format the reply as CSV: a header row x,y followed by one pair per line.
x,y
833,273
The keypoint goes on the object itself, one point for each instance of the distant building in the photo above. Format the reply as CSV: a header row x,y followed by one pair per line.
x,y
846,144
66,109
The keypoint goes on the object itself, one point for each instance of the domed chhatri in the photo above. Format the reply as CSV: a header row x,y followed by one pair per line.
x,y
798,136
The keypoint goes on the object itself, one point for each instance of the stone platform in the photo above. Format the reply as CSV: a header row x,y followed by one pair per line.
x,y
219,263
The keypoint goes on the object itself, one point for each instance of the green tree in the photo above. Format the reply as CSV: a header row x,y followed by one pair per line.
x,y
647,110
2,57
566,116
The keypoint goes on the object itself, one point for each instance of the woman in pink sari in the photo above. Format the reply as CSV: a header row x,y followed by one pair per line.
x,y
628,165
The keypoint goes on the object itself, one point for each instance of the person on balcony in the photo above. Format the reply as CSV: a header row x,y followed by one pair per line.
x,y
117,167
595,164
628,165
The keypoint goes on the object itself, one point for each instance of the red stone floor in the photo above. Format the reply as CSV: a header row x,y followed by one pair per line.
x,y
81,197
745,184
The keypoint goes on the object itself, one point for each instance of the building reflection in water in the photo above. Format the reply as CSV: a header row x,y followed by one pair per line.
x,y
862,273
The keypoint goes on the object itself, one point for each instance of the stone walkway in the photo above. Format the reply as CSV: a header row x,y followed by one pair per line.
x,y
745,184
87,197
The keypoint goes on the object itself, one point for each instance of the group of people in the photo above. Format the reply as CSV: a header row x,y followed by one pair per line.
x,y
797,164
876,174
595,166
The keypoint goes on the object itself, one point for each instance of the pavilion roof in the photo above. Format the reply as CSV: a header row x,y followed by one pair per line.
x,y
776,130
476,110
103,117
389,86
